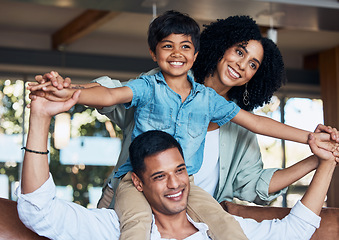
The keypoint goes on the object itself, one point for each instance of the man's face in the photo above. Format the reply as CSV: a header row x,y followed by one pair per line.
x,y
165,182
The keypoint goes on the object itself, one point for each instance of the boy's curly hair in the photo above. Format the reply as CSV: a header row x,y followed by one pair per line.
x,y
219,36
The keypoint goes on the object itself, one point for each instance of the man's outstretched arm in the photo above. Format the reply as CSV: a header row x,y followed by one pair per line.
x,y
315,195
38,207
303,218
35,169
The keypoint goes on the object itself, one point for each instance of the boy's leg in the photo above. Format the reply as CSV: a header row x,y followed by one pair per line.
x,y
202,207
133,210
106,197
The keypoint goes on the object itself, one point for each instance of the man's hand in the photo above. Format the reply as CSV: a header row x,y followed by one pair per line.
x,y
321,153
326,138
48,108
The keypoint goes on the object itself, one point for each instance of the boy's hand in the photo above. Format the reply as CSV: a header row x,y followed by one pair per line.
x,y
51,93
332,131
52,78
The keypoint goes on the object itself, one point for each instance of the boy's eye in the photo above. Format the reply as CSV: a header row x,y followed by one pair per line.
x,y
186,46
167,46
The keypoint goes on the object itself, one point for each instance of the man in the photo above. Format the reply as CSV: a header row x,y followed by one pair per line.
x,y
159,171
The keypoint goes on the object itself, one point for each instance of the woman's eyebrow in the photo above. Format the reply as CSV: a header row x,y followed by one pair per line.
x,y
257,61
245,49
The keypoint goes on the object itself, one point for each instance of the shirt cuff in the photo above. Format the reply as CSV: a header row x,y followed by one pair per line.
x,y
109,83
264,183
301,211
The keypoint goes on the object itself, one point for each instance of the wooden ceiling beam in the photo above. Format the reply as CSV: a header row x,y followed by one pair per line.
x,y
81,26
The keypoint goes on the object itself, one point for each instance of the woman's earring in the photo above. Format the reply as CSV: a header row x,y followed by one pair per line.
x,y
246,96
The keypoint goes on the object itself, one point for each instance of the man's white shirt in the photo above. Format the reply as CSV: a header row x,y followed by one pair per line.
x,y
54,218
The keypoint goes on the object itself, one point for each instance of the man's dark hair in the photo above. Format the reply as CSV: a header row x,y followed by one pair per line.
x,y
173,22
221,35
147,144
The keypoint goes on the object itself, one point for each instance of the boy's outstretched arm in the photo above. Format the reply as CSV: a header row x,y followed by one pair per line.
x,y
316,192
269,127
95,96
104,97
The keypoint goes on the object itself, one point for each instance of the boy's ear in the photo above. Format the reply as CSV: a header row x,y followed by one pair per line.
x,y
154,57
137,182
195,56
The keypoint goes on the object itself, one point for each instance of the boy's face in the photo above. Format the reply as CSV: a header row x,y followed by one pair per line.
x,y
175,55
165,182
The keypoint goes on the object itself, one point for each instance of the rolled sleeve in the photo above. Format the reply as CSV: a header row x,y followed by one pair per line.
x,y
264,183
241,167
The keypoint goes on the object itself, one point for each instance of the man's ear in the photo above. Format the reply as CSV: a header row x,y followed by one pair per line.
x,y
137,182
154,57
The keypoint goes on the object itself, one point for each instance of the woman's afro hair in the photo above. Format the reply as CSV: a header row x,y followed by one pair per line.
x,y
219,36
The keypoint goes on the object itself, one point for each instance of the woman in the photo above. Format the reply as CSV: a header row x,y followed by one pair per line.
x,y
241,65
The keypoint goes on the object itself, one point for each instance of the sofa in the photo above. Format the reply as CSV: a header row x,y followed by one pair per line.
x,y
12,228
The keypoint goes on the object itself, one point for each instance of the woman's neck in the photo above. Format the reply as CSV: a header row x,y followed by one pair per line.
x,y
215,83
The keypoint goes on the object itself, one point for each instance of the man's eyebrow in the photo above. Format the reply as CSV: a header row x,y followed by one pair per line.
x,y
245,49
181,165
160,172
156,173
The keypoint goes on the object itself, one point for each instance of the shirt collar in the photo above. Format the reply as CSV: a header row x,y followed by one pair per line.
x,y
196,87
155,234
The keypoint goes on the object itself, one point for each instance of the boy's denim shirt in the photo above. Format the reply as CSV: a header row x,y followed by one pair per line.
x,y
158,107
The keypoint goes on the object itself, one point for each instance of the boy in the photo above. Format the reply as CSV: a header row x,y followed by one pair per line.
x,y
171,101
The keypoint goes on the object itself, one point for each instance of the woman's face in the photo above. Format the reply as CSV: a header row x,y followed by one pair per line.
x,y
239,63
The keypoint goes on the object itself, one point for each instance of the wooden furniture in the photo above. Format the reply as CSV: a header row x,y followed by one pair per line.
x,y
12,228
